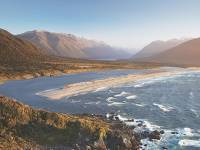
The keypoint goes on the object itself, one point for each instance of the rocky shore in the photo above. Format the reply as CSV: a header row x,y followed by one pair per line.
x,y
22,127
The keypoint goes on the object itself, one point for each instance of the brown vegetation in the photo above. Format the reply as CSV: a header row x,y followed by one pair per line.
x,y
23,127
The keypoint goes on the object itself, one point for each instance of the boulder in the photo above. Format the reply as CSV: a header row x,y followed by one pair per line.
x,y
154,135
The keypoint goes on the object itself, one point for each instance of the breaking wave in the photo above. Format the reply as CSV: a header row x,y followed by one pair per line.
x,y
131,97
164,108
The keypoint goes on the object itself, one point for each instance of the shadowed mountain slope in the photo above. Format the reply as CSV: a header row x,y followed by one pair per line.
x,y
15,51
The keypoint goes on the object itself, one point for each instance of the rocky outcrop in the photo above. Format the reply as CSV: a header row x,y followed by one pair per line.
x,y
22,127
122,140
135,127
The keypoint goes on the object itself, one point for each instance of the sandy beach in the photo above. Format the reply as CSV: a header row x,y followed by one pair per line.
x,y
95,85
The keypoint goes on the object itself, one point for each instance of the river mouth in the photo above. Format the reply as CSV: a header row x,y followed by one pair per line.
x,y
166,103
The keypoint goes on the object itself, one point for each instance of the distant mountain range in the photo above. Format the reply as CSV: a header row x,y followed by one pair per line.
x,y
68,45
157,47
182,53
21,59
187,53
35,46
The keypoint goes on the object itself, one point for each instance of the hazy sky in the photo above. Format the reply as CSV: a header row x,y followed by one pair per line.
x,y
125,23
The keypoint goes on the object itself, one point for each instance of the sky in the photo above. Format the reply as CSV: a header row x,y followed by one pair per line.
x,y
121,23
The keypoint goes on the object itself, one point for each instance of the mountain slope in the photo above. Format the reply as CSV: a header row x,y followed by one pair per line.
x,y
187,53
15,51
157,47
67,45
106,52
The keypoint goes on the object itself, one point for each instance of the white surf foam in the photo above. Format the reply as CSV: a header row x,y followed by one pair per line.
x,y
75,101
149,145
151,126
131,97
139,105
164,108
46,91
139,85
116,104
146,124
121,118
188,132
91,103
144,82
109,99
121,94
165,138
192,143
98,102
100,89
111,91
99,98
195,112
191,95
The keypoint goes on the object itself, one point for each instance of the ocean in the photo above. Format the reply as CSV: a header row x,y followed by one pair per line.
x,y
171,104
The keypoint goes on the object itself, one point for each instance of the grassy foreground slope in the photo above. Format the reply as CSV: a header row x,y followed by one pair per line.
x,y
22,127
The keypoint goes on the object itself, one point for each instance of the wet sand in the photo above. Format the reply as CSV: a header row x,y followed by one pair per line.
x,y
95,85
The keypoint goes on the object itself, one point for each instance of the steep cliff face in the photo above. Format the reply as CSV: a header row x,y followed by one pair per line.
x,y
23,127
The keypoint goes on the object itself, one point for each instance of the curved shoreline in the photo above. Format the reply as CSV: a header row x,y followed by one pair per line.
x,y
90,86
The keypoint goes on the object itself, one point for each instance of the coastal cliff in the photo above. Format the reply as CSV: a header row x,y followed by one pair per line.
x,y
22,127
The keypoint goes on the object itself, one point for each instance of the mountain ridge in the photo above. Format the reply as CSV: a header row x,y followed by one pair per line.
x,y
15,51
187,53
69,45
156,47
